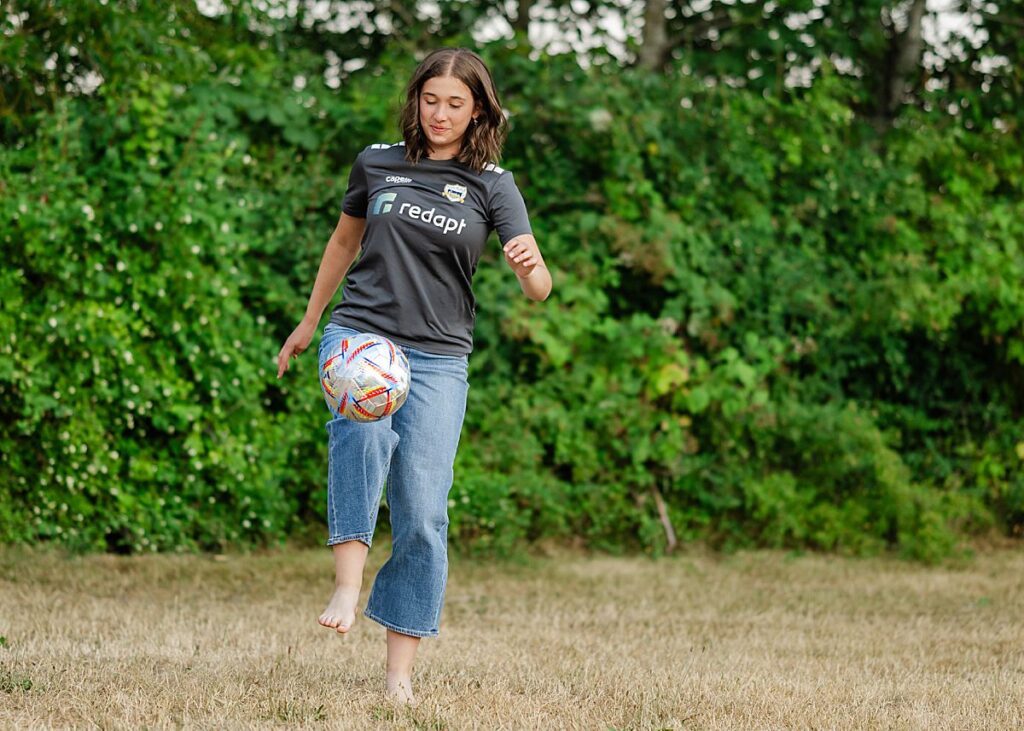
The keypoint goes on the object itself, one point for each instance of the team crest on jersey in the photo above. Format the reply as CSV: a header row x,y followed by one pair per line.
x,y
455,193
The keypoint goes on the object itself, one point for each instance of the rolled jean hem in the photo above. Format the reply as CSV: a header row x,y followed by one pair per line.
x,y
366,538
402,630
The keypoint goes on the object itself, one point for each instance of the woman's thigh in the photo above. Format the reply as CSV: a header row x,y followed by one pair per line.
x,y
430,422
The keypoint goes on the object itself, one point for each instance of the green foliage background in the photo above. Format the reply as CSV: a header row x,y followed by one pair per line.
x,y
798,328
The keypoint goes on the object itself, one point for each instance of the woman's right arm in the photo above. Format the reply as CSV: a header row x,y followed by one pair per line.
x,y
340,252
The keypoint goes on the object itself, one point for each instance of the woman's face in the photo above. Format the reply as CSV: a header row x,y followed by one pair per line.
x,y
446,109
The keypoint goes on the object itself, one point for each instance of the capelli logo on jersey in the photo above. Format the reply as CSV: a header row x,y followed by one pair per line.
x,y
383,203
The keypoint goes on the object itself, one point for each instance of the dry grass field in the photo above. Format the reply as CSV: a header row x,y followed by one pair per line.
x,y
749,641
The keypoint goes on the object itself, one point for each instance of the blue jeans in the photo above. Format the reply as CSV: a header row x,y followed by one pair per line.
x,y
412,451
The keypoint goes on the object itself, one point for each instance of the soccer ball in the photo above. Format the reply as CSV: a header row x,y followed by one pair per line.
x,y
365,377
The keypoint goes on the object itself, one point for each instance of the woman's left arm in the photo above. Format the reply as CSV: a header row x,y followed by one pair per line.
x,y
523,255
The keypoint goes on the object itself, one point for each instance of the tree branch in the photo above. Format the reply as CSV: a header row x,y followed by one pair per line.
x,y
905,54
654,45
521,23
666,521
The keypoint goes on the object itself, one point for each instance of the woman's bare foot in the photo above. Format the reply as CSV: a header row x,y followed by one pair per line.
x,y
398,673
400,689
341,609
349,559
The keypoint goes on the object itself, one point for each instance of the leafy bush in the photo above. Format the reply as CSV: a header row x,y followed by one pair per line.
x,y
796,331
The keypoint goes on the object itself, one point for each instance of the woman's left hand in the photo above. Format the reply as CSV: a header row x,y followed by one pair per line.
x,y
522,255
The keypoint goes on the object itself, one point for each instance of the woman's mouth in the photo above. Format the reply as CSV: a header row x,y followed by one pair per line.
x,y
438,130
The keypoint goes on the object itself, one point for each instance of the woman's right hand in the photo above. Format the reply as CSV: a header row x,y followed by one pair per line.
x,y
297,342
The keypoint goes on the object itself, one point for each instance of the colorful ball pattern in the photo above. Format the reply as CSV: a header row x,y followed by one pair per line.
x,y
365,378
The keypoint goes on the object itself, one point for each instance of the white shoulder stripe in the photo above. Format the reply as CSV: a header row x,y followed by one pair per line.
x,y
384,146
489,167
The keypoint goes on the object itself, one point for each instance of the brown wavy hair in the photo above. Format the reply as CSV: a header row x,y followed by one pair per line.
x,y
484,137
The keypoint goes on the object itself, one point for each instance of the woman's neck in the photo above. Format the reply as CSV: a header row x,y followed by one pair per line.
x,y
442,153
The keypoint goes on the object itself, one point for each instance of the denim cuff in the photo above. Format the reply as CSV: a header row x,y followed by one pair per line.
x,y
402,630
366,538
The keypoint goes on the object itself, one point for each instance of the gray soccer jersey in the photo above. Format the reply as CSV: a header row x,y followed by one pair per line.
x,y
426,226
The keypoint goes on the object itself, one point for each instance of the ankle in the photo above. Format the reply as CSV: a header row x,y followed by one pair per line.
x,y
348,585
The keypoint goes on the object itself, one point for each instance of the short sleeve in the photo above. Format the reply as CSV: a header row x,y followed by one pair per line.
x,y
354,203
507,210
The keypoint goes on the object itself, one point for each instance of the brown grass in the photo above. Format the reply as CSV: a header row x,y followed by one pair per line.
x,y
758,640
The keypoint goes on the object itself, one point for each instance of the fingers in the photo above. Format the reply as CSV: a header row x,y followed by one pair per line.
x,y
517,251
283,358
523,264
297,342
521,256
282,361
527,261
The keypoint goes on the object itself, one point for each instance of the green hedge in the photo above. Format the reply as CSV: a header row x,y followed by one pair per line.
x,y
798,331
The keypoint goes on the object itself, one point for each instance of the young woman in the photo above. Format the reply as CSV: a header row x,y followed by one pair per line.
x,y
420,213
